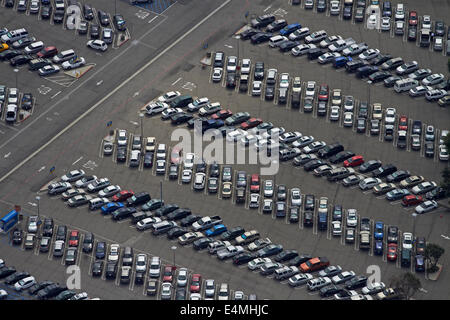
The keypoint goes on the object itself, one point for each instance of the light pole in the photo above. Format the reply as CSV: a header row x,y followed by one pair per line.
x,y
38,199
141,116
16,71
174,248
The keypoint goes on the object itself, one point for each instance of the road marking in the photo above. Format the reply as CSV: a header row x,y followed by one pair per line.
x,y
82,116
55,94
176,81
7,155
267,8
42,168
77,160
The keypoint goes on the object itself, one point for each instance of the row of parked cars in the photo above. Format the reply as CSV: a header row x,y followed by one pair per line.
x,y
22,281
355,57
11,100
333,104
391,19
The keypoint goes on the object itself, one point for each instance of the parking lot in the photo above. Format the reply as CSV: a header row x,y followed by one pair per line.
x,y
80,145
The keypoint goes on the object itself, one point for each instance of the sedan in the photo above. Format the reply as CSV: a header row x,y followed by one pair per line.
x,y
426,206
48,70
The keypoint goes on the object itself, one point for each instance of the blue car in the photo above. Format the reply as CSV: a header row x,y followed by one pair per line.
x,y
378,249
340,62
379,229
397,194
290,28
216,230
112,206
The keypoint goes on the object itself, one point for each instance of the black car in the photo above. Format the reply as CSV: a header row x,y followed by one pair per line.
x,y
258,72
6,271
119,22
369,166
88,242
231,80
308,219
123,213
321,5
322,109
270,93
179,214
173,172
103,17
100,250
50,291
94,31
121,154
17,237
280,209
39,286
315,53
46,12
313,164
20,60
288,45
165,210
398,176
88,12
58,17
286,255
390,82
27,101
232,233
352,66
180,118
330,290
359,15
176,232
148,160
139,278
189,220
13,278
436,194
347,13
384,171
299,259
392,234
261,37
180,294
309,202
243,257
111,270
439,28
366,71
337,213
9,3
47,227
341,156
379,76
382,58
294,214
262,21
202,243
61,233
270,250
277,25
247,34
356,282
9,54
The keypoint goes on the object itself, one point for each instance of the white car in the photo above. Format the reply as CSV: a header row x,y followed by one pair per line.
x,y
407,68
335,7
299,279
109,191
197,104
107,35
433,79
336,228
2,263
343,277
257,263
369,54
435,94
231,64
238,295
328,57
369,183
385,24
254,200
443,153
182,277
348,119
372,21
352,218
168,96
284,80
268,188
48,70
334,113
186,176
166,291
97,45
419,91
34,6
302,49
299,34
407,241
296,197
290,136
426,22
33,224
155,108
246,66
73,175
74,63
236,135
310,88
25,283
141,262
217,74
195,296
373,288
313,147
390,116
355,49
424,187
256,88
114,252
3,294
188,161
426,206
297,85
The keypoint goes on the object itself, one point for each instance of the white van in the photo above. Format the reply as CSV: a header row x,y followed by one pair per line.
x,y
405,84
285,272
34,47
14,35
64,56
276,40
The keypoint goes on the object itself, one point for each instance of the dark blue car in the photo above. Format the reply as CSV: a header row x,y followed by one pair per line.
x,y
111,206
289,29
340,62
216,230
378,249
379,229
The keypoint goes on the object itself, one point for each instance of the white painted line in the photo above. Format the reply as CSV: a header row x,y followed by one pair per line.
x,y
173,44
151,20
176,81
267,8
77,160
55,94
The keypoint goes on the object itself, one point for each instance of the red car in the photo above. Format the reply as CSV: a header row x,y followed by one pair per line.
x,y
47,52
314,264
74,238
323,92
254,183
251,123
411,200
392,252
354,161
413,18
175,156
122,195
403,123
196,281
222,114
168,274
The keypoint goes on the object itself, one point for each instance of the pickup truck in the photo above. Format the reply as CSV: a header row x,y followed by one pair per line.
x,y
229,252
364,240
206,223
